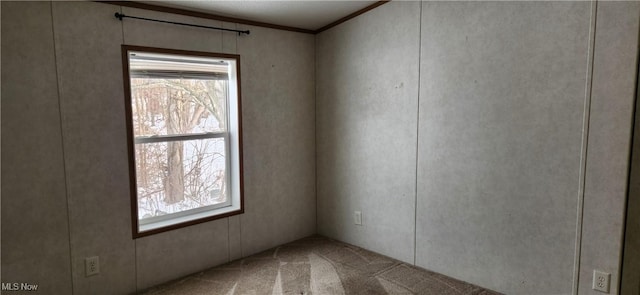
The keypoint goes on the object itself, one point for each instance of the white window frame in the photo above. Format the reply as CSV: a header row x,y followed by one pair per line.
x,y
233,148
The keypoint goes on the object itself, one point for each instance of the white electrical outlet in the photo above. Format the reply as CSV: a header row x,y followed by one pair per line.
x,y
357,217
601,281
92,266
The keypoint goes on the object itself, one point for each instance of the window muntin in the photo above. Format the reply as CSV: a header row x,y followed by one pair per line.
x,y
184,129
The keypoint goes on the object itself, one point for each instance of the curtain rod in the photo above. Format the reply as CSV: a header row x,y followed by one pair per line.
x,y
120,16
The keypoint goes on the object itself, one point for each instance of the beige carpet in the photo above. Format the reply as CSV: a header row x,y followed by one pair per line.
x,y
317,265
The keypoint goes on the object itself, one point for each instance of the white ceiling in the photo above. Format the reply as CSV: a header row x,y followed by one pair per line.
x,y
303,14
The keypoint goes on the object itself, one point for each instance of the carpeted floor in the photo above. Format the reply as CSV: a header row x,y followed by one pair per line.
x,y
317,265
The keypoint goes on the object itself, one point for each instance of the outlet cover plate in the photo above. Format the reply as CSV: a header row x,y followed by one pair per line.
x,y
357,217
92,266
601,281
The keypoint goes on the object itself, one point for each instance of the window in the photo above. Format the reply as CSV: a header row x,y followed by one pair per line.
x,y
184,137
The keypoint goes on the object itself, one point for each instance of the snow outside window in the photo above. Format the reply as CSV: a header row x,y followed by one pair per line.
x,y
183,120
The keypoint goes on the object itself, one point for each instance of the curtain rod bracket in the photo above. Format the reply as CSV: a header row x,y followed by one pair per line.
x,y
120,16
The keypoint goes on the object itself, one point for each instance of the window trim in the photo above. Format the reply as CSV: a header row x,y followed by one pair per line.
x,y
135,224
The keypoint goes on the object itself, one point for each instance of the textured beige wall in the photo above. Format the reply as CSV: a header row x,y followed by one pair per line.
x,y
367,101
607,164
509,131
279,137
279,148
94,136
34,205
501,108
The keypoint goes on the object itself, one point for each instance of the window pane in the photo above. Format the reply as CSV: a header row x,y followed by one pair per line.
x,y
180,175
183,111
178,106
